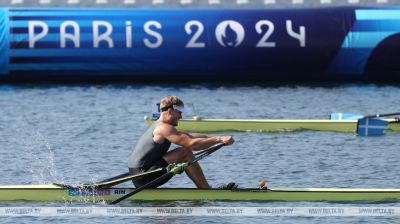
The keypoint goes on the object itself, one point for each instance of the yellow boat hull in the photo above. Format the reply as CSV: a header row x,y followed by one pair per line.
x,y
249,125
58,193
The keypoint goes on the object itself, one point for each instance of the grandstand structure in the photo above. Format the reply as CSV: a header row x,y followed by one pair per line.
x,y
195,3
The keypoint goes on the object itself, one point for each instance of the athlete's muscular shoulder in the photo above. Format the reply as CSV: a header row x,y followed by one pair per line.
x,y
167,131
162,132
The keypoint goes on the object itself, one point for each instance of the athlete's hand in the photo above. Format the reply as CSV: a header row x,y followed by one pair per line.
x,y
170,166
227,140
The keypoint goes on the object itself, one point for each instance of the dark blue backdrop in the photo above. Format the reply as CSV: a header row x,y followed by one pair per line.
x,y
195,44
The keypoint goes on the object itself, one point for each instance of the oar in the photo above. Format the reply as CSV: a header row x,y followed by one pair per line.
x,y
112,181
368,125
178,169
382,115
126,177
371,126
118,179
348,116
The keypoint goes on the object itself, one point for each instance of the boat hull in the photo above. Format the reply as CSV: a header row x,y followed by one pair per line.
x,y
248,125
55,193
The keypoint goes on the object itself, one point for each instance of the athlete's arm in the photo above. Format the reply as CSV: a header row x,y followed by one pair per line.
x,y
188,141
199,135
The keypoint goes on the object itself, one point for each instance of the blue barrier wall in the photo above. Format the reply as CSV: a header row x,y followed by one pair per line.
x,y
341,43
3,42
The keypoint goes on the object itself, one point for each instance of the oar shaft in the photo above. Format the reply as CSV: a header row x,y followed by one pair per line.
x,y
207,152
382,115
119,179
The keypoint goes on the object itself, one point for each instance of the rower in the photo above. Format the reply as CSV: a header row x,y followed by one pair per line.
x,y
151,151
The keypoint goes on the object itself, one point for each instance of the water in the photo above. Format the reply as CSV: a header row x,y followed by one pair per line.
x,y
74,134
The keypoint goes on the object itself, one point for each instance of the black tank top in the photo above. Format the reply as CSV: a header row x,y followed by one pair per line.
x,y
146,151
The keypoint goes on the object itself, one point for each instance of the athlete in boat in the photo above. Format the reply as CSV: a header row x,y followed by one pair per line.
x,y
151,151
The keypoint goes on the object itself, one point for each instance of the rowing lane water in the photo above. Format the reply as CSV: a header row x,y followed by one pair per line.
x,y
71,134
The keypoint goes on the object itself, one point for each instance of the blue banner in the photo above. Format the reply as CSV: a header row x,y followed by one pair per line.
x,y
3,42
372,45
187,44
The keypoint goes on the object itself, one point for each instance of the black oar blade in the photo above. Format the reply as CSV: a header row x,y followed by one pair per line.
x,y
146,186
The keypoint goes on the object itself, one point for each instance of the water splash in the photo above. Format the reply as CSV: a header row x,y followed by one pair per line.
x,y
38,158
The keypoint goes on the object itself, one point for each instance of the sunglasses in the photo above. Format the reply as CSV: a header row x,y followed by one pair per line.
x,y
181,109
